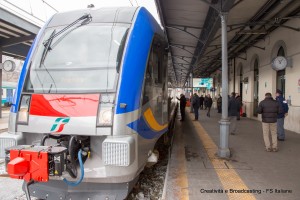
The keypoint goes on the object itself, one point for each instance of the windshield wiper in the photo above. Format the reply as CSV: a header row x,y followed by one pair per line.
x,y
87,19
47,43
47,48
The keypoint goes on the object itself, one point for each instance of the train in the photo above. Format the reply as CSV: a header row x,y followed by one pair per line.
x,y
91,102
8,89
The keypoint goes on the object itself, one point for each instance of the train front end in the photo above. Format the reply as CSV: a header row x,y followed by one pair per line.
x,y
64,110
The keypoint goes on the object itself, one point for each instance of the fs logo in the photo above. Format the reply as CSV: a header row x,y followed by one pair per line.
x,y
59,124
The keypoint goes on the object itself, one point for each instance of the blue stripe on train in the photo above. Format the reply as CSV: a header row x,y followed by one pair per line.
x,y
17,95
135,61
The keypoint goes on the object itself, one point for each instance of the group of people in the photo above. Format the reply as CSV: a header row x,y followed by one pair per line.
x,y
237,96
273,113
197,103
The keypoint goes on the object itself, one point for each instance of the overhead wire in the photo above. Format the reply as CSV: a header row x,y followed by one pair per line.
x,y
49,5
130,2
136,3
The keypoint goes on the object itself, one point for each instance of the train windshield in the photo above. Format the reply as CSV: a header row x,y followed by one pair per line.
x,y
83,59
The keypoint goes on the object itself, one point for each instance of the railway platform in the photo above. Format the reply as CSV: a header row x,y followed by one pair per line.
x,y
195,171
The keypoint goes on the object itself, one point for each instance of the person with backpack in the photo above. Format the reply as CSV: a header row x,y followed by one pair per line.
x,y
281,116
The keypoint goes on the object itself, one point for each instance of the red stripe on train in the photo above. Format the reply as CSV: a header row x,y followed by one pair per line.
x,y
69,105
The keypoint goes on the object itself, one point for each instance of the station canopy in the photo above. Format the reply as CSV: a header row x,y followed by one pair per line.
x,y
16,34
193,30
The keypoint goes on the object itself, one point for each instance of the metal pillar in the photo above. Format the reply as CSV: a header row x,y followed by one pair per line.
x,y
224,151
191,79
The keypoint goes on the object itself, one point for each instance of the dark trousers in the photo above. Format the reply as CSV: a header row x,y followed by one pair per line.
x,y
196,111
208,112
219,109
182,112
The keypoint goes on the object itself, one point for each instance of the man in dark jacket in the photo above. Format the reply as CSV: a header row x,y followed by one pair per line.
x,y
269,108
233,112
208,103
196,105
182,104
281,116
205,102
219,104
201,102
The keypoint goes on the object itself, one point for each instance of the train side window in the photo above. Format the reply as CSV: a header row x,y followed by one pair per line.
x,y
155,64
147,95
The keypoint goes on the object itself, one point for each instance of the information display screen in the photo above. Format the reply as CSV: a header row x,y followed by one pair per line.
x,y
203,83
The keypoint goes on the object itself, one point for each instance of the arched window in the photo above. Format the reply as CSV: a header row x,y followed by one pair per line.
x,y
280,80
281,52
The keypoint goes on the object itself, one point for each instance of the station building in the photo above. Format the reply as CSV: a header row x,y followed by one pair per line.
x,y
251,74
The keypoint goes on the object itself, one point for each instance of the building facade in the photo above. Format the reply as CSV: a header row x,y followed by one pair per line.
x,y
251,73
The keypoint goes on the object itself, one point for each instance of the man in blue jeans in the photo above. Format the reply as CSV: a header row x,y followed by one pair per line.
x,y
281,116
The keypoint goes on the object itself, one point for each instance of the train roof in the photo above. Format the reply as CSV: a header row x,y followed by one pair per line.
x,y
101,15
105,15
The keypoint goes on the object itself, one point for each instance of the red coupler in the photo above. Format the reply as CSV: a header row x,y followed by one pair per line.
x,y
29,163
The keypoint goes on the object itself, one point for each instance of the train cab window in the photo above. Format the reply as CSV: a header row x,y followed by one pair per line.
x,y
83,60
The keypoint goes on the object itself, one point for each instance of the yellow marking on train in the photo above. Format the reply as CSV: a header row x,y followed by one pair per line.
x,y
148,115
228,177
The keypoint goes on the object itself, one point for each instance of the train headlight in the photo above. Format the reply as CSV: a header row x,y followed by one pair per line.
x,y
106,110
105,115
23,113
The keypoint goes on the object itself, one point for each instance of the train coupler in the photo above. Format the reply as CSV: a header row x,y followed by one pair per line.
x,y
35,163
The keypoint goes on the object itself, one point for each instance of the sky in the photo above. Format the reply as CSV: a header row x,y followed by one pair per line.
x,y
38,11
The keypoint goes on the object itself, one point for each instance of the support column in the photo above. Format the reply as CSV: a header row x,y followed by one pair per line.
x,y
224,151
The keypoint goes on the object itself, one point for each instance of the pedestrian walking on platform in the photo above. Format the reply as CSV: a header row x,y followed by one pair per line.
x,y
269,108
281,116
233,112
201,102
182,104
219,104
208,104
205,101
239,98
196,105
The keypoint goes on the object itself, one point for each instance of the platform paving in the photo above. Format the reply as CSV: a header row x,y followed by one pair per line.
x,y
194,171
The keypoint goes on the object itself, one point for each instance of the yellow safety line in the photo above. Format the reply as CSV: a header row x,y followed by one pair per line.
x,y
228,177
179,175
148,115
182,180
